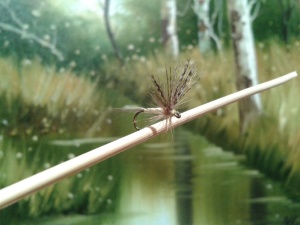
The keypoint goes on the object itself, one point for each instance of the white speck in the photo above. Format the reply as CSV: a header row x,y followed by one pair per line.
x,y
61,130
97,189
53,27
19,155
35,138
36,13
26,62
47,165
130,47
215,89
265,57
77,144
47,37
261,45
110,177
220,112
152,40
44,120
79,175
70,195
77,52
4,122
93,73
269,186
273,68
25,27
62,70
72,64
143,59
71,156
135,57
6,44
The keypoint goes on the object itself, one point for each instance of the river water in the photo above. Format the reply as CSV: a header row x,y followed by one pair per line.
x,y
185,181
208,187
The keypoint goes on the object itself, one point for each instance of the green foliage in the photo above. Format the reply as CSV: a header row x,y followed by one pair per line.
x,y
272,21
81,37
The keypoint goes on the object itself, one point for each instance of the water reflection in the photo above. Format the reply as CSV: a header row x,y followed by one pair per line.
x,y
207,186
186,181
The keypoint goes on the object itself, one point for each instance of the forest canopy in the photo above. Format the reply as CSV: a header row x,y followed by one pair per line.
x,y
73,33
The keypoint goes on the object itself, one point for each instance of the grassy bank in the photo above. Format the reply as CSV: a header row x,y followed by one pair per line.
x,y
42,101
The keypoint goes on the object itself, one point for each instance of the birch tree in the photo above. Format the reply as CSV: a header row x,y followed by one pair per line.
x,y
205,24
169,33
245,58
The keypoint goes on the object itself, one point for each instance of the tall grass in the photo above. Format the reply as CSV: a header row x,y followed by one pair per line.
x,y
42,100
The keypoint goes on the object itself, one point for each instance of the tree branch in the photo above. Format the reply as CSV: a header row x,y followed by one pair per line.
x,y
109,31
25,34
185,9
254,7
22,31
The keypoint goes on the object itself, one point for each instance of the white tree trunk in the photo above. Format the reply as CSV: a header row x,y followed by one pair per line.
x,y
169,33
201,9
244,49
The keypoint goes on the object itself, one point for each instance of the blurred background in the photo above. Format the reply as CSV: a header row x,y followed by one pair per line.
x,y
63,64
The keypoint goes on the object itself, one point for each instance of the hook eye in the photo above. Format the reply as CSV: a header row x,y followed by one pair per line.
x,y
177,114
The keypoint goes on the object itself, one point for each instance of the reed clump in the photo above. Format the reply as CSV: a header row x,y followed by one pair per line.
x,y
41,100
